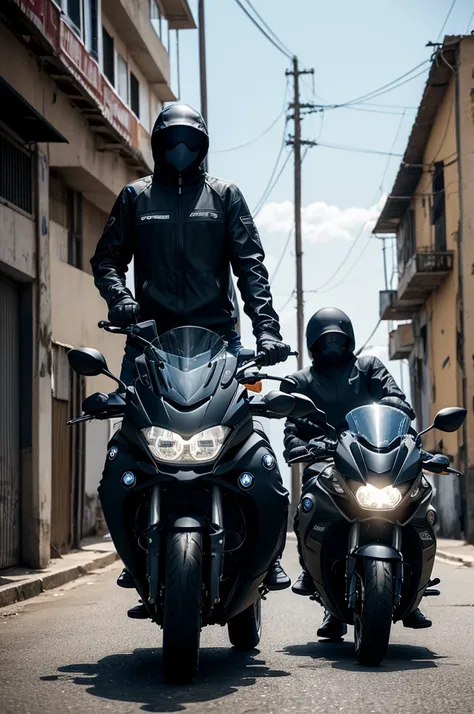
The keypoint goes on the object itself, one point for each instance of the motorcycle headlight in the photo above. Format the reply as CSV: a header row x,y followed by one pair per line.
x,y
382,499
165,445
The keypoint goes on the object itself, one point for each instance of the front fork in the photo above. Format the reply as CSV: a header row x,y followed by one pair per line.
x,y
216,540
351,577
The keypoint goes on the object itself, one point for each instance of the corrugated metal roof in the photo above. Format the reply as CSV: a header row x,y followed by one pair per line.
x,y
410,170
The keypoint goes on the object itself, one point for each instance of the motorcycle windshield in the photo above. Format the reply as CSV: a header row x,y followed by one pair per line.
x,y
378,425
189,348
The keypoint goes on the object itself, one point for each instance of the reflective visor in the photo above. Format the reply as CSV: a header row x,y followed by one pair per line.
x,y
173,135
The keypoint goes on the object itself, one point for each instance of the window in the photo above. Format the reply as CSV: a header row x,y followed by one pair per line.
x,y
160,23
438,209
16,185
406,239
91,21
73,11
134,95
122,78
108,56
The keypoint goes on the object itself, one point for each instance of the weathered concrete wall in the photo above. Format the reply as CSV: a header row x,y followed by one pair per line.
x,y
17,243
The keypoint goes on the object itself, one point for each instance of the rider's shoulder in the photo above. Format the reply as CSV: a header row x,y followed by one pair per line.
x,y
135,188
300,379
225,189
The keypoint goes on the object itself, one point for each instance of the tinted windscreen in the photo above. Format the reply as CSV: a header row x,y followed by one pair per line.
x,y
189,348
379,425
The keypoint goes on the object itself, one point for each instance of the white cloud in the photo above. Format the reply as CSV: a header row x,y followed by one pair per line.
x,y
321,222
380,351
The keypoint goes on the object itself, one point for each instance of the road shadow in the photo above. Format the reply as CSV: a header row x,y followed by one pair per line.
x,y
138,678
400,657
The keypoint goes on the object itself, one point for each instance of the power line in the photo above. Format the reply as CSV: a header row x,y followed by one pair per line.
x,y
283,253
266,190
251,141
469,23
267,27
369,338
447,18
276,43
358,150
390,156
287,302
270,188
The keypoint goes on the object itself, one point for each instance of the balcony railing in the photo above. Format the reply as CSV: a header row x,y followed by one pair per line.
x,y
423,274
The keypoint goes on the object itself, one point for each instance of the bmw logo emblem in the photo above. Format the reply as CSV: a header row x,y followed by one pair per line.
x,y
246,481
307,504
128,479
269,462
113,451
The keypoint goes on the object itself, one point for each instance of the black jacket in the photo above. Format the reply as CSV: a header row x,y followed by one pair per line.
x,y
337,390
184,239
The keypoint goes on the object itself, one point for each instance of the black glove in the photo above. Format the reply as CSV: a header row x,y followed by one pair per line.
x,y
124,313
273,349
298,454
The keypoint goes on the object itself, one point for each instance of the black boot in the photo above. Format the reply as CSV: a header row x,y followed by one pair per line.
x,y
276,578
138,612
304,585
332,628
125,580
417,621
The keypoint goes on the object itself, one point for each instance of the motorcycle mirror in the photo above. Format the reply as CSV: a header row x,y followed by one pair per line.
x,y
87,362
450,419
438,464
304,406
279,403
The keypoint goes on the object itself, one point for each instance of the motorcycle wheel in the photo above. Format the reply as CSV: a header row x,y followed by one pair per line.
x,y
245,629
374,610
182,606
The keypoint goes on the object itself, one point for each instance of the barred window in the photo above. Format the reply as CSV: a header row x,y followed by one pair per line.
x,y
16,184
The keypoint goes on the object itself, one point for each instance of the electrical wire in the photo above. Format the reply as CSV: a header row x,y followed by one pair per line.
x,y
390,156
358,150
270,188
469,23
447,18
268,28
276,43
287,302
283,253
251,141
366,343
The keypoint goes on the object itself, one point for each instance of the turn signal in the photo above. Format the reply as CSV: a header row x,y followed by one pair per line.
x,y
257,387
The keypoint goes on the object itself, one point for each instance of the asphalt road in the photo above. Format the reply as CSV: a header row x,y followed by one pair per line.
x,y
74,650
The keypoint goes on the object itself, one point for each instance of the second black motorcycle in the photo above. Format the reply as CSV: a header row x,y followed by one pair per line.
x,y
366,522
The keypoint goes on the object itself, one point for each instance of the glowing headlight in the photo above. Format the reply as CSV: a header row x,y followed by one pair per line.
x,y
165,445
369,496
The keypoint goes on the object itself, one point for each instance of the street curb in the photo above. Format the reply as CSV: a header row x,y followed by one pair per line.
x,y
9,595
445,557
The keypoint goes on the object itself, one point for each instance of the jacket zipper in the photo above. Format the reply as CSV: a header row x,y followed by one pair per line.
x,y
179,271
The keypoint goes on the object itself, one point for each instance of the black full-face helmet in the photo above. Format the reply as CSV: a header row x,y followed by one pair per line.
x,y
330,336
179,139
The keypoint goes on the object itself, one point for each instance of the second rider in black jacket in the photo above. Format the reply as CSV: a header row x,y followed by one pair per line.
x,y
338,382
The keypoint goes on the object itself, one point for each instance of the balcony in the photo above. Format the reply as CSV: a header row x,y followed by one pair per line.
x,y
131,19
423,274
179,14
401,342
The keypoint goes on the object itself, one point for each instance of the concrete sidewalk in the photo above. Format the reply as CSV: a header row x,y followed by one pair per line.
x,y
18,584
455,551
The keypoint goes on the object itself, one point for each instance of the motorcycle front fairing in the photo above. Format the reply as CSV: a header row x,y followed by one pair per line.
x,y
187,403
327,526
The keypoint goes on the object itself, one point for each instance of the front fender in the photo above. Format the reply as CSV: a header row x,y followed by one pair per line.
x,y
377,551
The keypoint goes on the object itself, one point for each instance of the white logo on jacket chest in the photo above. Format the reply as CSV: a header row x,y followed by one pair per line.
x,y
156,217
204,214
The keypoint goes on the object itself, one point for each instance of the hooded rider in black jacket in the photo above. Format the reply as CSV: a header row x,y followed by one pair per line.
x,y
186,231
337,382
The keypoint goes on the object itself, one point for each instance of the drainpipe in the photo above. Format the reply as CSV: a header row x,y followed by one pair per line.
x,y
465,520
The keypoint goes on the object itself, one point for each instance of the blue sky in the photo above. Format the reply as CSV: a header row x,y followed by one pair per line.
x,y
354,47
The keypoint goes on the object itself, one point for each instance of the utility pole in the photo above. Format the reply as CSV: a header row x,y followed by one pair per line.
x,y
202,66
296,141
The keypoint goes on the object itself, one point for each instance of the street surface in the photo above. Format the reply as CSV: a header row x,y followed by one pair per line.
x,y
74,650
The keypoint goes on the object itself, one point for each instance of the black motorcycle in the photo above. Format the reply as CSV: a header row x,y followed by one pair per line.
x,y
365,520
191,490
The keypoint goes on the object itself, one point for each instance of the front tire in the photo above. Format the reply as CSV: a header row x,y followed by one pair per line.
x,y
182,606
374,610
245,629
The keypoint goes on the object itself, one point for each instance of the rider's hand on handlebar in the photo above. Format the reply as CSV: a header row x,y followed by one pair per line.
x,y
272,349
125,312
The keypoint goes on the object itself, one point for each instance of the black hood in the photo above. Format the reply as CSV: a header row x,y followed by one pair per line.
x,y
179,123
330,320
